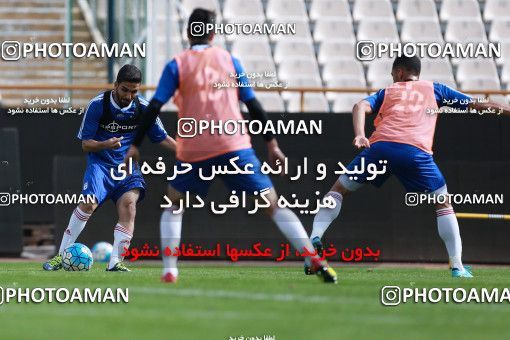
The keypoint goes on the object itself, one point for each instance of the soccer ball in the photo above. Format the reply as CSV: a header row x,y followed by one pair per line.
x,y
77,257
102,251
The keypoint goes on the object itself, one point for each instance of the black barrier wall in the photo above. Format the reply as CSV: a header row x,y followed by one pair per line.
x,y
473,153
11,218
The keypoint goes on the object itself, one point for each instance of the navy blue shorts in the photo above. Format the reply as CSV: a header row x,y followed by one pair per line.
x,y
413,167
191,181
99,182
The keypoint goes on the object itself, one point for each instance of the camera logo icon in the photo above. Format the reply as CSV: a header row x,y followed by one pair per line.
x,y
365,50
412,199
197,29
11,50
390,295
5,199
187,127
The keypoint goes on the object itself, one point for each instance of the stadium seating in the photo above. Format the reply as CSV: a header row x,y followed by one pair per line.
x,y
330,9
453,9
496,9
313,102
286,9
292,48
500,30
421,29
368,9
252,47
378,29
243,11
465,30
329,50
333,29
476,69
342,68
416,9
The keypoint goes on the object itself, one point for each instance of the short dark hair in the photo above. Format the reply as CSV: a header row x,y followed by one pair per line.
x,y
410,64
200,17
129,73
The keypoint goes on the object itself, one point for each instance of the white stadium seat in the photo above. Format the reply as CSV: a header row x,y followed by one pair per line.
x,y
219,40
505,73
476,69
259,65
342,68
500,30
416,8
297,80
330,8
334,30
190,5
465,30
238,34
454,9
330,50
290,48
481,84
505,53
343,83
496,9
303,67
271,101
172,27
380,30
252,48
422,30
379,69
381,83
244,11
372,9
484,84
344,102
346,82
286,9
432,69
302,30
313,102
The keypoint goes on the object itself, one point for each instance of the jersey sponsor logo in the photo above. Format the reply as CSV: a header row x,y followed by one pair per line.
x,y
116,127
85,185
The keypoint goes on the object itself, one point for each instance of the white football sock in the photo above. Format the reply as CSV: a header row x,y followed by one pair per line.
x,y
170,227
121,239
325,216
448,229
290,225
74,228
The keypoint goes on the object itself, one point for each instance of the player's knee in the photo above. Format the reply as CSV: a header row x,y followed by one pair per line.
x,y
87,208
176,197
128,208
443,205
340,188
271,209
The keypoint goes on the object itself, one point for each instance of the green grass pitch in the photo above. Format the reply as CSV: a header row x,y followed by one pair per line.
x,y
222,301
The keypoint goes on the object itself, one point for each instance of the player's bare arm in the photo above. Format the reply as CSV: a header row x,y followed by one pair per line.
x,y
91,145
168,143
274,152
149,117
258,113
359,111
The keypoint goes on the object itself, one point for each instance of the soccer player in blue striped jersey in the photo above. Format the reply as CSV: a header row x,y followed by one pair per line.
x,y
108,128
